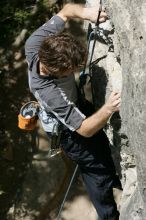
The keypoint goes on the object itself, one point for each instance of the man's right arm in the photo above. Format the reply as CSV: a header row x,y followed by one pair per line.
x,y
95,122
32,46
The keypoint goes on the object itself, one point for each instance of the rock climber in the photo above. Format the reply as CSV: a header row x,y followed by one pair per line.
x,y
53,57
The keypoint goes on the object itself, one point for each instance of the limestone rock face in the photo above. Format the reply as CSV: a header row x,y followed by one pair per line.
x,y
123,69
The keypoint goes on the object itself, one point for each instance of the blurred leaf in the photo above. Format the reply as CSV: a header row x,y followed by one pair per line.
x,y
1,192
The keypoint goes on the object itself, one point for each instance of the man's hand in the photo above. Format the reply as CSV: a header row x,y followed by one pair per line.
x,y
113,102
79,11
95,122
91,14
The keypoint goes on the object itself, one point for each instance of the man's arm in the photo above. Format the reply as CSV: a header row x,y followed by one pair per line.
x,y
33,43
95,122
56,25
79,11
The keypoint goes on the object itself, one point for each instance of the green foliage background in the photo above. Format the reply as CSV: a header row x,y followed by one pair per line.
x,y
15,14
16,147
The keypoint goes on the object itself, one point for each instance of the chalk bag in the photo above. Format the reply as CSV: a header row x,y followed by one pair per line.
x,y
27,118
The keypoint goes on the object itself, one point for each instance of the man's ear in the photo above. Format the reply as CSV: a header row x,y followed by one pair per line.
x,y
43,69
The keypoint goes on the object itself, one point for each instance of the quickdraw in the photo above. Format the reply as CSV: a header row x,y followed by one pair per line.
x,y
93,35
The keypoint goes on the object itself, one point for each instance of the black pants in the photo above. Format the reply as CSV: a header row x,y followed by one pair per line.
x,y
97,168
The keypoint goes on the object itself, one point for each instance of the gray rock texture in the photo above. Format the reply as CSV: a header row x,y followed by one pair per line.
x,y
124,70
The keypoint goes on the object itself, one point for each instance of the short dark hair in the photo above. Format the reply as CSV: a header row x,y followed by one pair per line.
x,y
62,52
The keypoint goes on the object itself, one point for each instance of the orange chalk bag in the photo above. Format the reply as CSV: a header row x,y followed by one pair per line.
x,y
27,118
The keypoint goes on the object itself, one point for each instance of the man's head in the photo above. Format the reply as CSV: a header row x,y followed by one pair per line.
x,y
61,54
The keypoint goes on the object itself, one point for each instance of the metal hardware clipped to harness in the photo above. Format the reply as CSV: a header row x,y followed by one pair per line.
x,y
55,147
53,128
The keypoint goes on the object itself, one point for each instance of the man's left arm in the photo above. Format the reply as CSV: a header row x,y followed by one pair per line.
x,y
56,25
80,11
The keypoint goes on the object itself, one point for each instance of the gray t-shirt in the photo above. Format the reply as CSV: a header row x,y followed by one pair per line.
x,y
57,97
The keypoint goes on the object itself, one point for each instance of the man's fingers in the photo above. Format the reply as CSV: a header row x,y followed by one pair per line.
x,y
118,106
117,102
94,12
102,19
115,95
103,16
114,102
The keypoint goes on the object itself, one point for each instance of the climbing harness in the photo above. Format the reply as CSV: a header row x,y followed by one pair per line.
x,y
53,127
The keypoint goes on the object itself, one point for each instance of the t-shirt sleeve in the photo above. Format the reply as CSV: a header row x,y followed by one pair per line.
x,y
33,43
54,100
